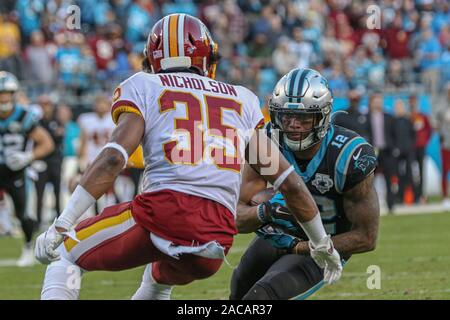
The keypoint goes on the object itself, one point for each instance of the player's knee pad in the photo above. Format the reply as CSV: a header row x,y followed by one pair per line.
x,y
239,283
261,291
274,286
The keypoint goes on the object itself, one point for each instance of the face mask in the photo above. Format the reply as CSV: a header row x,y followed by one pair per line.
x,y
300,145
6,107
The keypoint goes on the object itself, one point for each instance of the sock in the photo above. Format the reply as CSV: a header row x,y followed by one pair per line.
x,y
150,289
62,279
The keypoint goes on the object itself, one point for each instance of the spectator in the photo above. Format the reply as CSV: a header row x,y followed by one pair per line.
x,y
428,53
353,119
30,12
376,71
283,60
395,74
260,50
382,137
445,65
337,81
443,128
423,131
51,165
396,39
67,60
39,61
140,20
404,137
70,145
303,50
9,36
14,63
360,65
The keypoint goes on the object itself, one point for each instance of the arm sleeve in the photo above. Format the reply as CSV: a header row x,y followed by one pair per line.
x,y
362,163
30,121
126,98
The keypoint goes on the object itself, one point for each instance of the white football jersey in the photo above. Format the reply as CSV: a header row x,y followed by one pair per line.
x,y
98,130
196,131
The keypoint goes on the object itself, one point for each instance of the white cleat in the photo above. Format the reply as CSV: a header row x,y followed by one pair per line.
x,y
446,204
27,257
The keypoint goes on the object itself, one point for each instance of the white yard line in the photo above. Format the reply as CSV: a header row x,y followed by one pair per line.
x,y
8,262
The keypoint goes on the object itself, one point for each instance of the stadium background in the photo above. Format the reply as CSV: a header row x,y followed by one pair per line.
x,y
259,40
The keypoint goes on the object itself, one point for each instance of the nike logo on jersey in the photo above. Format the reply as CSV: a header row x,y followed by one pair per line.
x,y
356,157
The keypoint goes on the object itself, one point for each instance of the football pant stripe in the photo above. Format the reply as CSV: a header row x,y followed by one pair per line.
x,y
97,228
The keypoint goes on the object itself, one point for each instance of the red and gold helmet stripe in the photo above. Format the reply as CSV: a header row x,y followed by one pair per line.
x,y
173,35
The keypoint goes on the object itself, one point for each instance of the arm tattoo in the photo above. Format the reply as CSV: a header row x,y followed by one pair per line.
x,y
362,209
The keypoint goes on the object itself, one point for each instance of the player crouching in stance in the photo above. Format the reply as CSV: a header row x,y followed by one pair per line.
x,y
337,167
183,222
18,127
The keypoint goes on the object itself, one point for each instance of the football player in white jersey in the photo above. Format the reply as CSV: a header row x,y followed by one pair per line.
x,y
195,133
96,130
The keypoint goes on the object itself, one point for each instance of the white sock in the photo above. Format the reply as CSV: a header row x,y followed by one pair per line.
x,y
150,289
62,279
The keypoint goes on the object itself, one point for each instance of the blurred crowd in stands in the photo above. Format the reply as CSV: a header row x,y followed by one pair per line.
x,y
259,40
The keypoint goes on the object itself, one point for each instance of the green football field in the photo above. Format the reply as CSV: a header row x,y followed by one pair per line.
x,y
413,255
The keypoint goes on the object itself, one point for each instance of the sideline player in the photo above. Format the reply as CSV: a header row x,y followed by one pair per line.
x,y
194,132
96,130
337,166
18,127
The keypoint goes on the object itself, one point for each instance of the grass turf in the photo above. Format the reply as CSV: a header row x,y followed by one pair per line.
x,y
413,254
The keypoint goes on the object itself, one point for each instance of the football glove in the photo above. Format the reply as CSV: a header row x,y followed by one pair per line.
x,y
18,160
275,211
47,243
278,238
327,258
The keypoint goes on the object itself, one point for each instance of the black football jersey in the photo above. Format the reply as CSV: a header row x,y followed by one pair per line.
x,y
14,134
343,160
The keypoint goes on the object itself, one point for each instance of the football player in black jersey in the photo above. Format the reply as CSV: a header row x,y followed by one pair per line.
x,y
337,166
17,128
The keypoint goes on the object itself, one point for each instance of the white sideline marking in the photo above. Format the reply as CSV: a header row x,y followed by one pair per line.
x,y
8,262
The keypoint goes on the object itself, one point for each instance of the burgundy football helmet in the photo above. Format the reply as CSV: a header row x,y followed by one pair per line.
x,y
180,41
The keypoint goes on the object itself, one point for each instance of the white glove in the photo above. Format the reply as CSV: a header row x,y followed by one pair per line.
x,y
18,160
47,243
327,258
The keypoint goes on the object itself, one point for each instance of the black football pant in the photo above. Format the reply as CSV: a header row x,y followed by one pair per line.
x,y
52,174
266,273
15,186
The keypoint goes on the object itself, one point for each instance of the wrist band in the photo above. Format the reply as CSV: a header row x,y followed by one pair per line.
x,y
78,203
282,177
314,229
261,212
119,148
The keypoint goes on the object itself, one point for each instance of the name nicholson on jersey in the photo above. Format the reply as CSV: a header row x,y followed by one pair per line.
x,y
178,81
